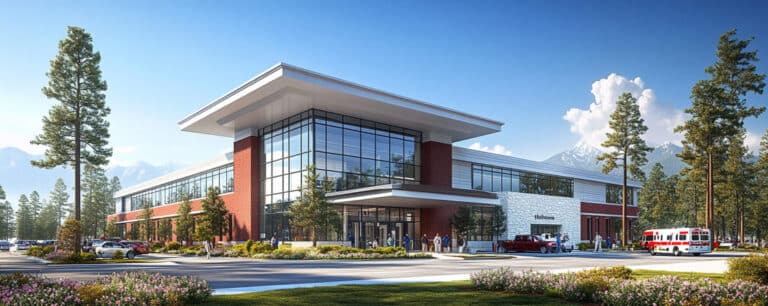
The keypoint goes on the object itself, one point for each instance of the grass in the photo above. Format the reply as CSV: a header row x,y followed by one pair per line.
x,y
646,274
444,293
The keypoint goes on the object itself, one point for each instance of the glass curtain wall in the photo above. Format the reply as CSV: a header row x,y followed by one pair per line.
x,y
194,187
348,151
497,179
613,194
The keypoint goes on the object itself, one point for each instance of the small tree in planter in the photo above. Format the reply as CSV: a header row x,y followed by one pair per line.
x,y
464,221
498,222
69,234
312,211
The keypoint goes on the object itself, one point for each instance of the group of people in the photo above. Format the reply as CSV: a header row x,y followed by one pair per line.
x,y
440,244
608,243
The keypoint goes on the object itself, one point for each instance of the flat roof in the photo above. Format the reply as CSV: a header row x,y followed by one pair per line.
x,y
285,90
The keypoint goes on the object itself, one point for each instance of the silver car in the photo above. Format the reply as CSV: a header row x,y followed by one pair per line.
x,y
109,248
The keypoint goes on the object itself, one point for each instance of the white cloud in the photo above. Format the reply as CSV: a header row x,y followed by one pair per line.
x,y
497,149
753,142
124,149
20,141
591,124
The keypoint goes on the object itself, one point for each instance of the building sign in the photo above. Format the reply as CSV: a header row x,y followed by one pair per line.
x,y
543,217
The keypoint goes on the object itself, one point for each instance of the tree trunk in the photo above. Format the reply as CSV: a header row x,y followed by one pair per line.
x,y
314,237
624,203
709,198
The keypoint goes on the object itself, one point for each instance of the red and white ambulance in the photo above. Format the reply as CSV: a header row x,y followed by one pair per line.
x,y
677,241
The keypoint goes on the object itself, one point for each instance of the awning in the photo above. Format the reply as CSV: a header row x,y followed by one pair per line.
x,y
412,196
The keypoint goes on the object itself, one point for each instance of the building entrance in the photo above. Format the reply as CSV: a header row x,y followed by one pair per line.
x,y
364,225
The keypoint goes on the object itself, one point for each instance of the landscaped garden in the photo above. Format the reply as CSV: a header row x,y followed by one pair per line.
x,y
127,288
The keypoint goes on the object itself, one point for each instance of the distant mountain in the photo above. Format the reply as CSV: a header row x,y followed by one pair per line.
x,y
18,176
583,156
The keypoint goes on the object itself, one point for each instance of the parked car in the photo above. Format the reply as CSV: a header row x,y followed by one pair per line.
x,y
109,248
5,246
21,245
565,243
90,245
525,243
139,246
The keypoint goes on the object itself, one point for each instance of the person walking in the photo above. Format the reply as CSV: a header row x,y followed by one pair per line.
x,y
447,243
598,243
390,240
424,244
406,242
460,243
608,242
273,242
207,249
438,242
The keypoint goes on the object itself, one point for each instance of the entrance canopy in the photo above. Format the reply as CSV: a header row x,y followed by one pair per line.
x,y
412,196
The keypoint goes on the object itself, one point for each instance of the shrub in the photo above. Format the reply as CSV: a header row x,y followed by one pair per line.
x,y
618,272
68,234
118,255
248,245
87,256
91,293
158,245
173,245
259,247
35,251
584,246
752,268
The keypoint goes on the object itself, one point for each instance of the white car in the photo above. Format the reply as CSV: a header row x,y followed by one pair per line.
x,y
20,245
109,248
565,244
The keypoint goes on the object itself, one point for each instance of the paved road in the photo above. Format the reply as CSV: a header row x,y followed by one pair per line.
x,y
240,272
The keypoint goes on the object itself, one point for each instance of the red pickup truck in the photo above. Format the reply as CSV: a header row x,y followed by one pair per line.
x,y
525,243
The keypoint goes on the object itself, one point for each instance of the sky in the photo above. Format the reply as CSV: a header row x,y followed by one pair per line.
x,y
550,70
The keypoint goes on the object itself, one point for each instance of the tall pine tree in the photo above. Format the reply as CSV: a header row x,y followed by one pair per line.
x,y
718,110
184,221
7,226
25,223
97,201
59,199
213,219
75,131
628,149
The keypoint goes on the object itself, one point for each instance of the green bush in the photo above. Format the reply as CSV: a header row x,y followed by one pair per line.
x,y
248,245
752,268
35,251
87,256
16,279
158,245
91,293
583,246
173,245
259,247
118,255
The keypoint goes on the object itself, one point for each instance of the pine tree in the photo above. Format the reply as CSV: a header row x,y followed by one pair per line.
x,y
184,221
7,226
111,230
2,193
164,230
46,224
24,221
75,131
629,149
718,110
312,211
146,224
97,201
213,219
35,205
59,197
759,212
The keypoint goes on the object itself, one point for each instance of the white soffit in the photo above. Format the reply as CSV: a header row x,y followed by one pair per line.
x,y
284,90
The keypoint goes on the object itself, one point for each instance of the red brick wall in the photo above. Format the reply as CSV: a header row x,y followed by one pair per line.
x,y
246,201
436,169
436,163
602,229
607,209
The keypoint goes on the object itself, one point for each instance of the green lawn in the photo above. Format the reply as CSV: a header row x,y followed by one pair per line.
x,y
445,293
646,274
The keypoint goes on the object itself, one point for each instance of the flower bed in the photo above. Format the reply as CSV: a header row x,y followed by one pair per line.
x,y
614,286
126,288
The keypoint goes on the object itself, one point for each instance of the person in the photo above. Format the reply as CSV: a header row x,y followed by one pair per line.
x,y
390,240
437,241
273,242
558,243
351,239
608,242
374,244
447,243
598,243
406,242
460,243
424,244
207,249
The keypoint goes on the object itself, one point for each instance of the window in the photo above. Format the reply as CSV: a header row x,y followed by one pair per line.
x,y
496,179
194,187
613,194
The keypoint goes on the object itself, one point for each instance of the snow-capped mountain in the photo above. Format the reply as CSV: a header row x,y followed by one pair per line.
x,y
583,156
18,176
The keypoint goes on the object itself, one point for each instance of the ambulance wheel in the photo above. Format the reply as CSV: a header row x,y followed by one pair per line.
x,y
653,253
676,252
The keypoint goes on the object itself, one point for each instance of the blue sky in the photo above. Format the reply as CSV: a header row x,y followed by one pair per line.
x,y
526,63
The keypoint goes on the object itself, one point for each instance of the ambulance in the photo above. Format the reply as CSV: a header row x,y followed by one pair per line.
x,y
677,241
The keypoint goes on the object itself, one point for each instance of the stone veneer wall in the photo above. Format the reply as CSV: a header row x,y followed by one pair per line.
x,y
521,209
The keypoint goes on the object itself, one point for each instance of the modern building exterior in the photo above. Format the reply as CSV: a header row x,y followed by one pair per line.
x,y
392,164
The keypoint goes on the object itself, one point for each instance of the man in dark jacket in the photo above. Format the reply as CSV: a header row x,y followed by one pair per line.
x,y
424,243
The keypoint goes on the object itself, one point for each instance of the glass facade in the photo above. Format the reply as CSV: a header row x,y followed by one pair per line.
x,y
497,179
348,151
613,194
193,186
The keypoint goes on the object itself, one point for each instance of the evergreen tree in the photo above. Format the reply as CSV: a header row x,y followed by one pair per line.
x,y
2,193
164,230
213,220
7,226
312,211
759,212
184,221
97,201
629,149
111,230
464,221
25,224
147,225
59,197
718,111
46,224
75,131
738,188
35,205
